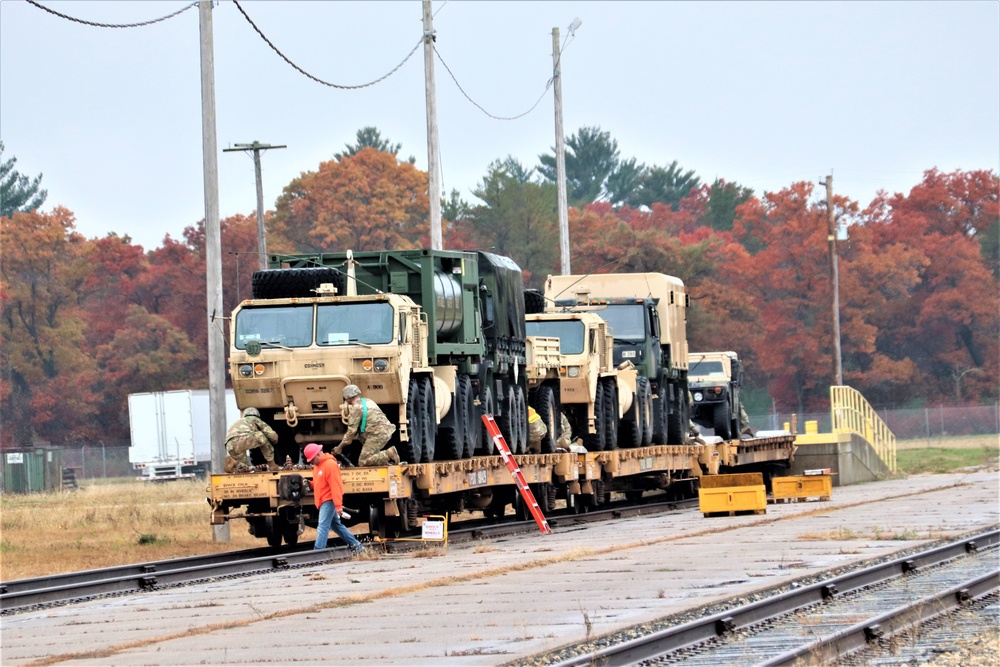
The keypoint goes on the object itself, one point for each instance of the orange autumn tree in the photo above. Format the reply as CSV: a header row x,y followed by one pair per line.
x,y
366,201
45,390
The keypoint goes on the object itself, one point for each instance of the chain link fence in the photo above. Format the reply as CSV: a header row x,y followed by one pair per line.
x,y
98,461
932,422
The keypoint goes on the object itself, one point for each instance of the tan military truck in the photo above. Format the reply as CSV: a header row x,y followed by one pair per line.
x,y
647,316
570,368
715,380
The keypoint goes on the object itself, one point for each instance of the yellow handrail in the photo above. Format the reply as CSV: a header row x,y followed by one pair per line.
x,y
851,413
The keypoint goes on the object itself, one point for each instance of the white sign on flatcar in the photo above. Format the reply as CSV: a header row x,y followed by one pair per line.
x,y
15,457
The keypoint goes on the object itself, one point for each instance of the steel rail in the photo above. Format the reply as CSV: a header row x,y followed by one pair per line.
x,y
25,593
893,622
716,625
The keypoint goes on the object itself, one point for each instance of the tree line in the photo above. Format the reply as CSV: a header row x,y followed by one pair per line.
x,y
88,321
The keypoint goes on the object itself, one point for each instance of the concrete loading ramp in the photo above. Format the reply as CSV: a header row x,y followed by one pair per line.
x,y
860,449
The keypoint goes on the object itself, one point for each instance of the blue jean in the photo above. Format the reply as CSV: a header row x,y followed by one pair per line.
x,y
328,517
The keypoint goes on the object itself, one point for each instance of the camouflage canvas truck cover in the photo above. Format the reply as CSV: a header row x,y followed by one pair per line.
x,y
647,316
571,369
715,380
433,337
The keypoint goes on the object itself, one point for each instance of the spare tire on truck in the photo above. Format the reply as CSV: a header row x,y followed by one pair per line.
x,y
289,283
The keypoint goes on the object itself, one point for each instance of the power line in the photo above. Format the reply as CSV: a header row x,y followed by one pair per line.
x,y
317,79
112,25
478,106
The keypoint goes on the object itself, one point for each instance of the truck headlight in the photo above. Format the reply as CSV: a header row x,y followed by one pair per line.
x,y
381,365
246,370
698,396
573,371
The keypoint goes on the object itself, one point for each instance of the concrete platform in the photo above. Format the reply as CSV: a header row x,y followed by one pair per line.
x,y
848,455
498,600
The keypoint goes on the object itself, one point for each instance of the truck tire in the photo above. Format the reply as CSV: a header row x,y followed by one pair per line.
x,y
428,410
473,426
721,419
660,412
508,420
677,422
545,406
521,414
594,442
646,410
413,449
287,283
486,407
610,414
630,429
450,443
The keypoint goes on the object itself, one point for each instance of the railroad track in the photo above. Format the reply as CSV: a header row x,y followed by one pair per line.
x,y
26,594
815,623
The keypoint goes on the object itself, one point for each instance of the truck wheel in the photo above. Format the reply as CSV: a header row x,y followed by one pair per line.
x,y
720,421
645,410
630,429
508,421
594,442
471,426
610,414
285,283
451,439
677,423
413,449
545,405
430,421
486,407
660,411
521,414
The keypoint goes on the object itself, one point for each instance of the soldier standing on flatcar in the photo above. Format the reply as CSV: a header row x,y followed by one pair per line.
x,y
246,433
536,431
367,423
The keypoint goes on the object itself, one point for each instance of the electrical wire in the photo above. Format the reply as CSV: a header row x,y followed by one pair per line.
x,y
112,25
316,79
478,106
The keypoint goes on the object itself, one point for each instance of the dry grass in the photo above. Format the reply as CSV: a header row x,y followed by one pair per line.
x,y
102,525
986,442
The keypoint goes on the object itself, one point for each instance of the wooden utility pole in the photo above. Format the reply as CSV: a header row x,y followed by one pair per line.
x,y
838,371
564,260
213,253
257,147
433,169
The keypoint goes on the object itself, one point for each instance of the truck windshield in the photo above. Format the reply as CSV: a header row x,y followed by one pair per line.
x,y
569,333
343,323
626,322
289,326
707,368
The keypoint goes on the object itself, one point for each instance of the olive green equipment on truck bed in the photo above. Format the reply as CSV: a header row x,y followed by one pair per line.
x,y
434,337
647,316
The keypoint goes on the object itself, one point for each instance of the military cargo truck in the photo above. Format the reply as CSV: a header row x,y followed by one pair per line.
x,y
715,380
434,337
647,316
570,369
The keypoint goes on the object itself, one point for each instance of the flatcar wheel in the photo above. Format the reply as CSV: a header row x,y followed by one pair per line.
x,y
271,531
289,528
386,527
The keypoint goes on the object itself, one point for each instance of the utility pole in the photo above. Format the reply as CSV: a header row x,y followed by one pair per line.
x,y
213,253
838,371
257,147
433,169
564,263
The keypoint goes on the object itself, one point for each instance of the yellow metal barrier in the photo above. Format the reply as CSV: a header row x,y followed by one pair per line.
x,y
851,413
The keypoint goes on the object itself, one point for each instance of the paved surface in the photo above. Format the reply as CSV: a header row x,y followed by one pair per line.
x,y
498,600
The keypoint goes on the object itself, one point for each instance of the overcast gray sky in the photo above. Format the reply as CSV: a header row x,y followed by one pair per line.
x,y
764,94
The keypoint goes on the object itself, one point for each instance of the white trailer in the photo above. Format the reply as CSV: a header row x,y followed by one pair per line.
x,y
171,435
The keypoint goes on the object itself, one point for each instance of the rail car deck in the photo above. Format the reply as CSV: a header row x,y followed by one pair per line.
x,y
625,470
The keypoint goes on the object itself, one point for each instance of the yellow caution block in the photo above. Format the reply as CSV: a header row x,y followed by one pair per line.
x,y
801,487
729,495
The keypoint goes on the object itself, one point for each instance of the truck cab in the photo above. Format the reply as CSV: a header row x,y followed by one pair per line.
x,y
715,380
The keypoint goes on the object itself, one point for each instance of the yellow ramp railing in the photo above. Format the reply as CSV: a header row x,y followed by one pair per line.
x,y
851,413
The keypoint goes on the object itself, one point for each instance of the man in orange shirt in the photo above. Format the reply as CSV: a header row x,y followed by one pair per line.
x,y
328,491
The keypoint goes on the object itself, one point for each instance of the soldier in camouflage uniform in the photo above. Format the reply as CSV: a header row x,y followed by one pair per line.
x,y
367,423
250,432
745,422
536,431
565,434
